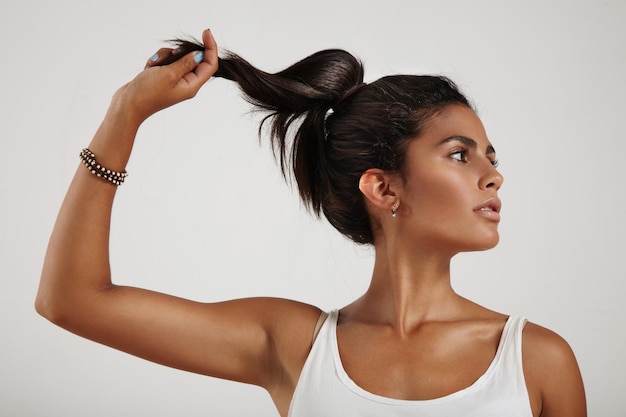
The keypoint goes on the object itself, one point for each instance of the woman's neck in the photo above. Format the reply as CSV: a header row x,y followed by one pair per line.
x,y
408,288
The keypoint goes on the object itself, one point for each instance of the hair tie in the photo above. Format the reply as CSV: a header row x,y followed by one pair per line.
x,y
348,94
343,98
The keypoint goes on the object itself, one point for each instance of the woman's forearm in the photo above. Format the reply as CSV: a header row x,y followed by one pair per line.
x,y
76,265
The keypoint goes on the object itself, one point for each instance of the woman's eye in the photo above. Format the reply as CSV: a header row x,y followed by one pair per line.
x,y
459,156
495,163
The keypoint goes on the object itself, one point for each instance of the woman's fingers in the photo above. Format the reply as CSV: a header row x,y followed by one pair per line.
x,y
206,61
160,56
163,84
198,67
210,48
167,56
201,72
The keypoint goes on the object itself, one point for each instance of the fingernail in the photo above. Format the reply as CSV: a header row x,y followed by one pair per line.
x,y
199,57
154,57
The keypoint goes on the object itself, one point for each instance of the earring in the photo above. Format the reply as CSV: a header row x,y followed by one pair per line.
x,y
393,210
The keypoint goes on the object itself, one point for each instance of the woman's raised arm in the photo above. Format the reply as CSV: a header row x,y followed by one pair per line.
x,y
235,340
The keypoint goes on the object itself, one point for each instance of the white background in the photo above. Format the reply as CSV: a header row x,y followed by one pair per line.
x,y
205,215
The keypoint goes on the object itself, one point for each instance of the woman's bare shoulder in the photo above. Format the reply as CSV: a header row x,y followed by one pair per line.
x,y
543,338
287,322
291,329
552,375
284,312
545,351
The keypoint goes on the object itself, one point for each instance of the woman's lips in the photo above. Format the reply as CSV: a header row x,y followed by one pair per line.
x,y
490,209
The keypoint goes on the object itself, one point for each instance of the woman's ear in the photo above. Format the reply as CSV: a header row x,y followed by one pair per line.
x,y
378,188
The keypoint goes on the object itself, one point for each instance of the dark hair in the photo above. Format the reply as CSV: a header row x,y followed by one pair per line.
x,y
341,126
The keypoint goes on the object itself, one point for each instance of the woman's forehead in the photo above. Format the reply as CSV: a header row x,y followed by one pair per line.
x,y
455,122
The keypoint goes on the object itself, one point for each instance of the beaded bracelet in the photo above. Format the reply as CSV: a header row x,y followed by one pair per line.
x,y
89,160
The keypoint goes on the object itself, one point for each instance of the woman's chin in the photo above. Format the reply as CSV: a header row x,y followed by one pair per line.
x,y
486,243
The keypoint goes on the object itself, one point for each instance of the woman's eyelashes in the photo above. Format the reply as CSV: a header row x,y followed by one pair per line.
x,y
461,155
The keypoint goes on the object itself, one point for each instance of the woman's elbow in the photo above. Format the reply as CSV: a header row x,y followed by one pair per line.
x,y
47,307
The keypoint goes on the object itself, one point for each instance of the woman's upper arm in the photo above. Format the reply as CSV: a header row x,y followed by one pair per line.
x,y
552,374
236,340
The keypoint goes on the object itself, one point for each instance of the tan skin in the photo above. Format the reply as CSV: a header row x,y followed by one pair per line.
x,y
417,327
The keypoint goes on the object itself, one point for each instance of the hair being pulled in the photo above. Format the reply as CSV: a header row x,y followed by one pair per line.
x,y
328,127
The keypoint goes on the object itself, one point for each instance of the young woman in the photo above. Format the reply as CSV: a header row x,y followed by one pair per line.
x,y
403,164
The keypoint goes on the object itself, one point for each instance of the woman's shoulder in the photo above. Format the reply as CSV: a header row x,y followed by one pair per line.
x,y
287,324
538,338
545,350
282,315
551,371
291,327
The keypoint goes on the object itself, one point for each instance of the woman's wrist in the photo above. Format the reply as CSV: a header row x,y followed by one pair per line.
x,y
113,141
124,109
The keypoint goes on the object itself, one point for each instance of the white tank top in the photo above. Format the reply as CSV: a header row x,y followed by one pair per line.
x,y
325,389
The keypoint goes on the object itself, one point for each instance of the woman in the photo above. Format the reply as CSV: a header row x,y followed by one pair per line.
x,y
403,164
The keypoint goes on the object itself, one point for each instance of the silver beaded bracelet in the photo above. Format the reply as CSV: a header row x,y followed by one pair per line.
x,y
89,160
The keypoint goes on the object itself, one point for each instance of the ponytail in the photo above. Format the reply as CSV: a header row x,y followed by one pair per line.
x,y
298,99
341,126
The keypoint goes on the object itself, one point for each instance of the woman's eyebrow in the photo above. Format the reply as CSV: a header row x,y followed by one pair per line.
x,y
469,142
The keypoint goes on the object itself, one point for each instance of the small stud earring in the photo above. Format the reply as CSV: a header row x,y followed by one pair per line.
x,y
393,210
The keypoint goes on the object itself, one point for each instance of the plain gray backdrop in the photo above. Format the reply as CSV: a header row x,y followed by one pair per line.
x,y
205,215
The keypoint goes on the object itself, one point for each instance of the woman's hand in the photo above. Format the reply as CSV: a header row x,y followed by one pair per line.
x,y
159,87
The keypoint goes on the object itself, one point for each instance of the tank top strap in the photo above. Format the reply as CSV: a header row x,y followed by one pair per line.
x,y
318,326
510,347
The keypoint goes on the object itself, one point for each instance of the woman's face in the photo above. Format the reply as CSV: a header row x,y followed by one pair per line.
x,y
449,196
